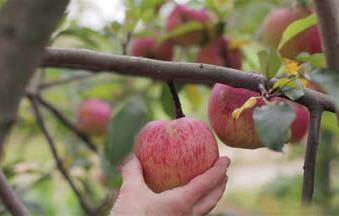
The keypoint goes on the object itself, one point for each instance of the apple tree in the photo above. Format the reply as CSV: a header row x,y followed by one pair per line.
x,y
263,74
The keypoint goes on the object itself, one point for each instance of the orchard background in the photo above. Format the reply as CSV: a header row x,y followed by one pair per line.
x,y
75,171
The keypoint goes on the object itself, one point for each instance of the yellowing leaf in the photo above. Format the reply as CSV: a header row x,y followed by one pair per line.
x,y
251,102
238,43
194,95
291,67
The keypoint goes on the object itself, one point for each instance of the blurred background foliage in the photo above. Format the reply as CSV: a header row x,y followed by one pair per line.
x,y
262,182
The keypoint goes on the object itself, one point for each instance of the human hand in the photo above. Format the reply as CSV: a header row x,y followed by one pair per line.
x,y
198,197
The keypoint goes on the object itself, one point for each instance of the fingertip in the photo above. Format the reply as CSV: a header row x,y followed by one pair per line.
x,y
224,161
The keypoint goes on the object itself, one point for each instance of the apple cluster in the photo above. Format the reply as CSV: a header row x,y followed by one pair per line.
x,y
175,151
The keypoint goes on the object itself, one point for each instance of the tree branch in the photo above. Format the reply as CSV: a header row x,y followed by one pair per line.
x,y
328,15
9,199
25,28
66,123
155,69
311,154
55,154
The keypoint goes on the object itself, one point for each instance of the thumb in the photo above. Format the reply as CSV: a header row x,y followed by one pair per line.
x,y
132,173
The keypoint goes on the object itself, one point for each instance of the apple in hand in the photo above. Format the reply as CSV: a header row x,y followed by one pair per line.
x,y
174,152
241,133
93,116
148,47
218,52
276,23
182,15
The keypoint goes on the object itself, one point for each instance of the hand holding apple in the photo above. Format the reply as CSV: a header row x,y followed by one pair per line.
x,y
197,197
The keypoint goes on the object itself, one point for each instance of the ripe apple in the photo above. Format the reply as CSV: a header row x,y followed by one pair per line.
x,y
149,48
183,14
219,53
241,133
277,21
174,152
93,116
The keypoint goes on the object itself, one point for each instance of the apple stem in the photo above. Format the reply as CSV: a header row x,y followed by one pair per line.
x,y
176,100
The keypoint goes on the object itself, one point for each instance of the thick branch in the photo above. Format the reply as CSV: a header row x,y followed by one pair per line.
x,y
9,199
56,156
311,153
25,27
155,69
328,14
66,122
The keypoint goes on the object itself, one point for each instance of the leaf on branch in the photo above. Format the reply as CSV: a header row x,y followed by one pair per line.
x,y
270,62
123,128
297,27
291,87
272,124
183,29
251,102
316,60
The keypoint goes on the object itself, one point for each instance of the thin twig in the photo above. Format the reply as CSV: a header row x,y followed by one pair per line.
x,y
9,198
176,100
64,81
56,156
67,123
126,42
311,154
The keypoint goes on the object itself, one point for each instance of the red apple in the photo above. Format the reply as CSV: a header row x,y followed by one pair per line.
x,y
277,21
181,15
241,133
219,53
93,116
174,152
149,48
300,124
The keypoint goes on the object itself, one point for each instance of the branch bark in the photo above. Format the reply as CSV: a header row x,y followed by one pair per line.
x,y
9,199
328,15
56,156
25,27
311,154
155,69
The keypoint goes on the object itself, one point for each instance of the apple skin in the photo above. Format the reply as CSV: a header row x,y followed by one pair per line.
x,y
218,53
147,47
277,21
300,124
181,15
174,152
241,133
93,116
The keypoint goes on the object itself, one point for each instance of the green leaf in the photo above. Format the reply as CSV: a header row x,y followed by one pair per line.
x,y
183,29
123,128
272,123
270,62
296,27
328,81
166,100
316,60
290,86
